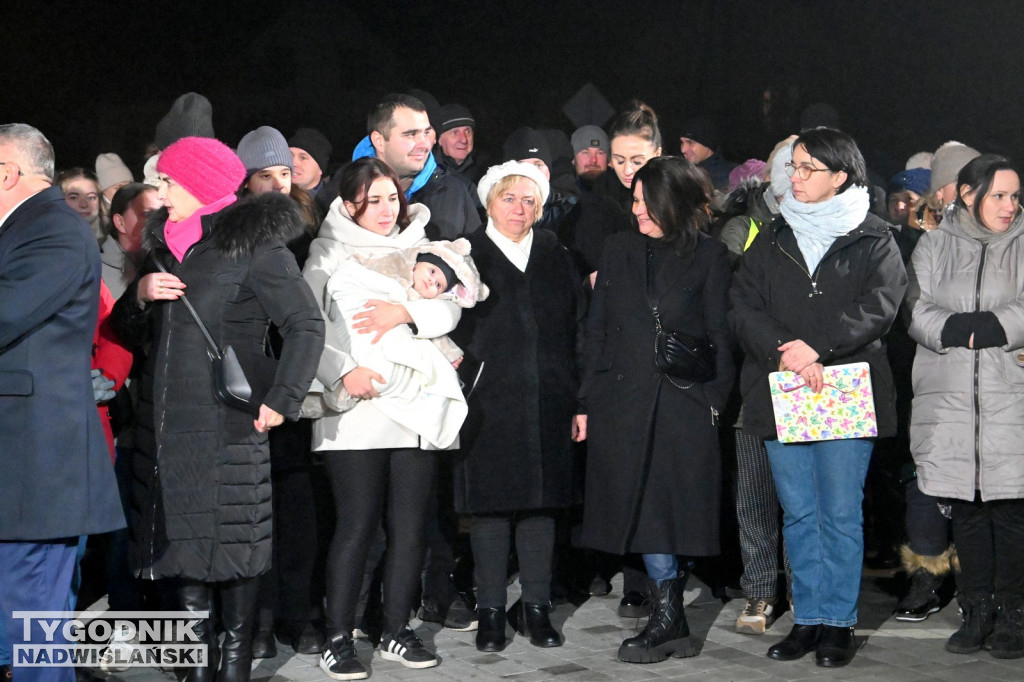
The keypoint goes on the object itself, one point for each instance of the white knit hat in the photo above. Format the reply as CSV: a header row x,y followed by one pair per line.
x,y
495,173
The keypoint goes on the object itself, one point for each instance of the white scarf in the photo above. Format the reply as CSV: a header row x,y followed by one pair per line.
x,y
819,224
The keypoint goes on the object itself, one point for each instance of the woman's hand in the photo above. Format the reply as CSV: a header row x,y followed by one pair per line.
x,y
359,383
267,419
579,428
796,356
380,317
159,286
593,279
813,376
458,361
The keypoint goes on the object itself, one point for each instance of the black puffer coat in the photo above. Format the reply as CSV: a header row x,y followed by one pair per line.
x,y
516,446
842,312
201,503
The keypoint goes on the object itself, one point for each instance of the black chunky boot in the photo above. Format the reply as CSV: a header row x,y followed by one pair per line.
x,y
976,627
1008,636
238,614
667,633
196,596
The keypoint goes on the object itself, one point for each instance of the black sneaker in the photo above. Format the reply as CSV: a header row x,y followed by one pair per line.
x,y
461,615
406,648
339,660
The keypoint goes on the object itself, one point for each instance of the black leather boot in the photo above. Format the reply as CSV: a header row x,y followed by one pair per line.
x,y
836,647
238,613
490,634
800,641
667,633
534,620
196,596
264,643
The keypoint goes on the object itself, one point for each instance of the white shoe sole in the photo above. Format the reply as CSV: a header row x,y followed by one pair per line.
x,y
343,676
388,656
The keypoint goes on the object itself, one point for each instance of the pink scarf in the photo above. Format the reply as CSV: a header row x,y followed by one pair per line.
x,y
181,236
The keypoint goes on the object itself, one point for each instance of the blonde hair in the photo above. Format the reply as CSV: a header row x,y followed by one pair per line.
x,y
506,182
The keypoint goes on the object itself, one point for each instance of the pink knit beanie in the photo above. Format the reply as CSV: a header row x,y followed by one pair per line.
x,y
206,167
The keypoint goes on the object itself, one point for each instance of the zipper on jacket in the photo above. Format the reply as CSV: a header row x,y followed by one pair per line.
x,y
977,363
803,269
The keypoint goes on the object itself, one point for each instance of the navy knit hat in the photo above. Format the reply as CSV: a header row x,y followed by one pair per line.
x,y
449,273
702,130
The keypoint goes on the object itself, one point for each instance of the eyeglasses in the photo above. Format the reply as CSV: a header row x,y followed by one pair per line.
x,y
4,163
804,170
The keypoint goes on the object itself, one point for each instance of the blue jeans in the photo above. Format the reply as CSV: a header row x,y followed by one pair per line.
x,y
821,488
661,567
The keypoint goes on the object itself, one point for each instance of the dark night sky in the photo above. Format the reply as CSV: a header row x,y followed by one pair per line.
x,y
904,76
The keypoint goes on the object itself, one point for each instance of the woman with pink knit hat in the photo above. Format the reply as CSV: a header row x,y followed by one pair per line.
x,y
201,502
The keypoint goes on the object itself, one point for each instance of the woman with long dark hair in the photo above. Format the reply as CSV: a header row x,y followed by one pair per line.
x,y
379,470
653,467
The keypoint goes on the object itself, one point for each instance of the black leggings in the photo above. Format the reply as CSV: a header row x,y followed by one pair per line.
x,y
490,536
362,481
989,539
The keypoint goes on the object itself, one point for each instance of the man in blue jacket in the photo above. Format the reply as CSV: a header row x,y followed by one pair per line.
x,y
57,482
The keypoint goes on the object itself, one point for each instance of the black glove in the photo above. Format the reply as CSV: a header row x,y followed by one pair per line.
x,y
957,330
988,332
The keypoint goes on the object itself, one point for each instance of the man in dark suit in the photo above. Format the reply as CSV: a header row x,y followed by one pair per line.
x,y
57,483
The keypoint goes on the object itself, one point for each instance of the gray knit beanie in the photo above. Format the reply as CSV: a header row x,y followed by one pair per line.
x,y
263,148
191,115
947,162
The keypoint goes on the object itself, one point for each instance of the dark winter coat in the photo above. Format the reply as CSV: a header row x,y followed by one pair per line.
x,y
653,465
841,312
718,168
516,440
201,503
56,480
454,210
604,212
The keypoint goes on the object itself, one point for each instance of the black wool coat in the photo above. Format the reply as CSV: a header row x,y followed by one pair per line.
x,y
653,464
842,311
201,502
516,440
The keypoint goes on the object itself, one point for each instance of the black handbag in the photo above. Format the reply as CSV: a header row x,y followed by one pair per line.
x,y
241,378
678,354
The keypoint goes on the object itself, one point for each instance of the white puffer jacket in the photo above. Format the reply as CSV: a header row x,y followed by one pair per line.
x,y
365,427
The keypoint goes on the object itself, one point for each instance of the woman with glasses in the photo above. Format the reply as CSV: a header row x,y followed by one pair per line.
x,y
819,287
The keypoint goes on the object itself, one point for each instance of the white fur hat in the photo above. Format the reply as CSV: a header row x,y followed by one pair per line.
x,y
496,173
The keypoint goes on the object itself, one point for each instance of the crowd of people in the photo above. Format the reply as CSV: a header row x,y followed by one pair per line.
x,y
338,397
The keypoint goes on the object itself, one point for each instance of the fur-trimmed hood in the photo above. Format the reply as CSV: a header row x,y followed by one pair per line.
x,y
238,229
399,264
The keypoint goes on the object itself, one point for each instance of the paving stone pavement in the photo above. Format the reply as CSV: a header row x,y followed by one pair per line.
x,y
888,650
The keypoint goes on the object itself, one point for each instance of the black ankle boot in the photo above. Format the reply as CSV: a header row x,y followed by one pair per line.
x,y
535,620
194,597
836,647
238,613
976,626
1007,639
800,641
667,633
490,633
